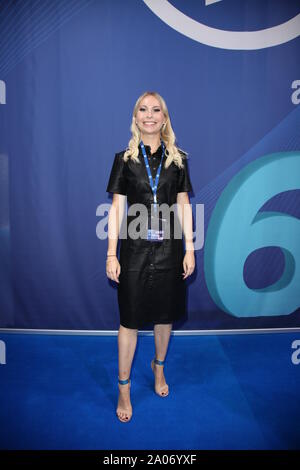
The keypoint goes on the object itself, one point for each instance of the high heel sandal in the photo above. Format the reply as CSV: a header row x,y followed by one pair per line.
x,y
128,414
166,387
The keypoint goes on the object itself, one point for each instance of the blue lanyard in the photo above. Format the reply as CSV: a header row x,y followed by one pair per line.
x,y
155,184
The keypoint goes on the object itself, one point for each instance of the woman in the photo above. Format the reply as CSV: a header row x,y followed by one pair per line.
x,y
151,285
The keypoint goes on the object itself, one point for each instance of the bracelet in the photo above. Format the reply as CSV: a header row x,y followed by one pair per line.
x,y
110,255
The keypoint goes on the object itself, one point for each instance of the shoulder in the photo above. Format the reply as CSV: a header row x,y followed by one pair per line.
x,y
120,153
119,156
183,153
185,157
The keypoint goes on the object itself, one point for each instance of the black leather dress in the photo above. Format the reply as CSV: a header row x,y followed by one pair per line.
x,y
151,288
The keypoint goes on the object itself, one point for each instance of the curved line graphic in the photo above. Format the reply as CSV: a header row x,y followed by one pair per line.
x,y
235,40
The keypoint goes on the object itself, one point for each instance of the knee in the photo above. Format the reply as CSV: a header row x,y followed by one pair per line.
x,y
127,330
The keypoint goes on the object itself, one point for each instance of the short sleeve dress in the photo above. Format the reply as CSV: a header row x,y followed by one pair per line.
x,y
151,288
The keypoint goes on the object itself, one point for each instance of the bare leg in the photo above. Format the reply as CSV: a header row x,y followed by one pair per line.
x,y
161,336
127,339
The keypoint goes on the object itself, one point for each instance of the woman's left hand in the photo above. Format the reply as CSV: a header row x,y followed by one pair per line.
x,y
188,263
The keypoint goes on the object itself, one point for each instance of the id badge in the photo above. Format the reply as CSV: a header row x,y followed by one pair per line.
x,y
156,228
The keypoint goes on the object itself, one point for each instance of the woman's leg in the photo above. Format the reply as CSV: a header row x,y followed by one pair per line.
x,y
161,337
127,339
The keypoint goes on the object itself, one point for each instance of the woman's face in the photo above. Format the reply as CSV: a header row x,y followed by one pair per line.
x,y
150,116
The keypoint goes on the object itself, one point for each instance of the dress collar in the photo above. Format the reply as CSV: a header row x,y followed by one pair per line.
x,y
148,150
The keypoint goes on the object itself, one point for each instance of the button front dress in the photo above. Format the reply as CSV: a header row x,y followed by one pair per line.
x,y
151,288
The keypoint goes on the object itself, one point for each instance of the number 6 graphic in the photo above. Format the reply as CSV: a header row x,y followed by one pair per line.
x,y
237,228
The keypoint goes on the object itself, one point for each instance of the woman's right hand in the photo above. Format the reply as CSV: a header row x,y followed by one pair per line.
x,y
113,268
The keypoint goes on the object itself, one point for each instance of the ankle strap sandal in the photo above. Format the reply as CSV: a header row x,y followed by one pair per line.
x,y
124,382
159,363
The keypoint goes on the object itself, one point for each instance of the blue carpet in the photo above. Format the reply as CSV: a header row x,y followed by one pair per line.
x,y
226,392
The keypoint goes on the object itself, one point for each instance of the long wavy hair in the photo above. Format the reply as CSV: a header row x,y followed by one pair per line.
x,y
173,153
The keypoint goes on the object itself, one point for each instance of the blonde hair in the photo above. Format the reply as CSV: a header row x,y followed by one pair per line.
x,y
167,135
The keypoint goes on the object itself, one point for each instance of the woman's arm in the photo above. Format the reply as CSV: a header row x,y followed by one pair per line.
x,y
115,219
186,220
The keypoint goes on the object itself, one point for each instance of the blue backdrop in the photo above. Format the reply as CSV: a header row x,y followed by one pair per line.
x,y
70,73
